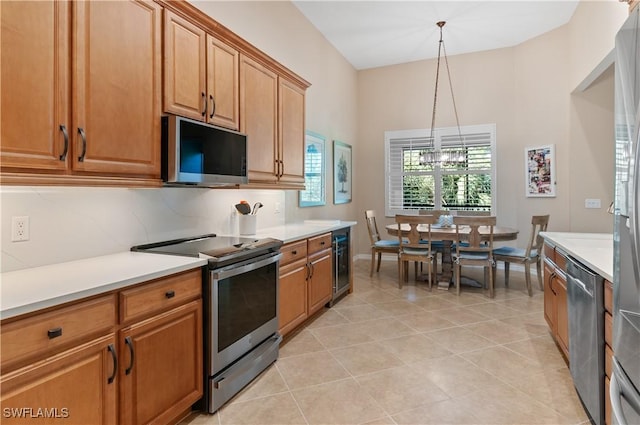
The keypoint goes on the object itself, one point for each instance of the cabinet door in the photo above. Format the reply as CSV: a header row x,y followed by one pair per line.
x,y
320,281
292,306
258,108
184,68
222,84
117,87
562,323
34,86
161,366
549,298
76,386
291,125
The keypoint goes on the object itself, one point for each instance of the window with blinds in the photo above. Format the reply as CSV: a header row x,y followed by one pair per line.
x,y
462,178
314,175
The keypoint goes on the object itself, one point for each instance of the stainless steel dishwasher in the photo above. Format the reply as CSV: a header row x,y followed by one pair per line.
x,y
585,292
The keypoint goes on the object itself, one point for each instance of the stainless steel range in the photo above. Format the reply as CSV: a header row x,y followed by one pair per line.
x,y
240,290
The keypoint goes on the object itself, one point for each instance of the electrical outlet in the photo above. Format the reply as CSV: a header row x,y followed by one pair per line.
x,y
592,203
276,208
19,228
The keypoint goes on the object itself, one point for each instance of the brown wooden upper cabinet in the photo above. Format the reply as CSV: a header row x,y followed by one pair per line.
x,y
272,115
80,90
201,74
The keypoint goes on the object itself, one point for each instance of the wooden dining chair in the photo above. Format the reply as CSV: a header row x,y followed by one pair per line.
x,y
471,249
437,246
414,245
527,256
378,245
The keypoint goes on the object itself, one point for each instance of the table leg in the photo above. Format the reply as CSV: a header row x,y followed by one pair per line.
x,y
444,279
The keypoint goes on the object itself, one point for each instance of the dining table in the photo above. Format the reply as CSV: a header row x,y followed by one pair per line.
x,y
447,234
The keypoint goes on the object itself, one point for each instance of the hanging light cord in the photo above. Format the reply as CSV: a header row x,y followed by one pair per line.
x,y
435,94
442,48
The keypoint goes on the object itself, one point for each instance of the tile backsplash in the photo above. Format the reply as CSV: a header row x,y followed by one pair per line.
x,y
67,223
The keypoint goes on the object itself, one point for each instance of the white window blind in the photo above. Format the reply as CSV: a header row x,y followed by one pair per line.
x,y
467,184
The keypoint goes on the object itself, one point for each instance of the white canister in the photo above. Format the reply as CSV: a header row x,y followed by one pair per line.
x,y
247,224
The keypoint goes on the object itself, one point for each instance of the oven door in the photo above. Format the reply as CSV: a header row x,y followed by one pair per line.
x,y
243,309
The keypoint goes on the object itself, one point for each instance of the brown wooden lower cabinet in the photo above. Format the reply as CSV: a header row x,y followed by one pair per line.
x,y
161,376
77,386
555,304
87,367
320,280
555,313
306,280
293,295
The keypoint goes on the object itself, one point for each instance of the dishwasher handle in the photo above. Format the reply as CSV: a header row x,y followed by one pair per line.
x,y
581,285
582,277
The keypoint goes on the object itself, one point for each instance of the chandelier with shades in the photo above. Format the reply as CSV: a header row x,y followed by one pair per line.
x,y
431,155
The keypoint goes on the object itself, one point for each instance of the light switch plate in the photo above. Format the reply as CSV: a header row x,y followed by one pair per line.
x,y
592,203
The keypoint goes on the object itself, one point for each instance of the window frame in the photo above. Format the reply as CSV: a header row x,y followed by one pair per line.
x,y
438,172
320,196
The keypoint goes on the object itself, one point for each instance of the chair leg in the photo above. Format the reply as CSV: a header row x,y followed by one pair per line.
x,y
539,271
490,280
527,277
506,274
373,261
415,270
457,271
400,277
379,261
429,268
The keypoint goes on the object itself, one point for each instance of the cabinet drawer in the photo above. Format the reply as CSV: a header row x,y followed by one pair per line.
x,y
549,252
319,243
33,337
561,260
608,296
608,329
160,295
293,251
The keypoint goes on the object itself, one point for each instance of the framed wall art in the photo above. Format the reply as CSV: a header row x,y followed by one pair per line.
x,y
540,172
314,171
342,172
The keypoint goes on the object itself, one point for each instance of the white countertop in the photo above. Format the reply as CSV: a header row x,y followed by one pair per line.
x,y
28,290
594,250
295,231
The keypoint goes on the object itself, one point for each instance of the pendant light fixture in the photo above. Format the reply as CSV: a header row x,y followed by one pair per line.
x,y
433,156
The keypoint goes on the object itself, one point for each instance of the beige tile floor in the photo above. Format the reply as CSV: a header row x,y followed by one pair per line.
x,y
384,355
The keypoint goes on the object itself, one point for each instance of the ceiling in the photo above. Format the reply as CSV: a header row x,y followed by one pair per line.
x,y
370,34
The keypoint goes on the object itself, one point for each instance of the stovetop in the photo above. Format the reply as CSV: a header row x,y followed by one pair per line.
x,y
219,250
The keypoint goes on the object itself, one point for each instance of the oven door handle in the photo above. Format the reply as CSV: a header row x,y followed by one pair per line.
x,y
246,267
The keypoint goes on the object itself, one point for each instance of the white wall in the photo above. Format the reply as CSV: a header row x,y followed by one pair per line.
x,y
72,223
526,91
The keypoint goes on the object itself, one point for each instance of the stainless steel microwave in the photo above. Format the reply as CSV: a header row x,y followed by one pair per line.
x,y
200,154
